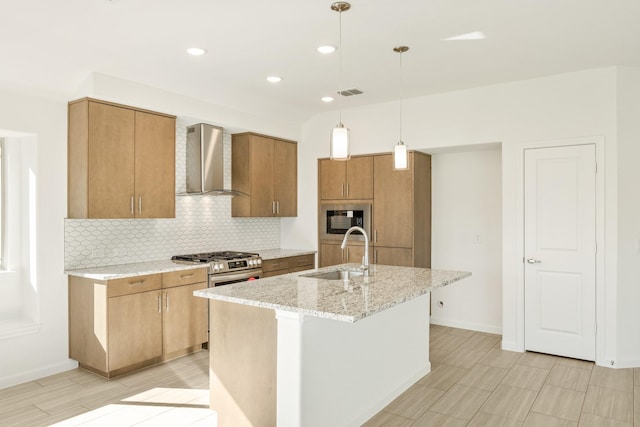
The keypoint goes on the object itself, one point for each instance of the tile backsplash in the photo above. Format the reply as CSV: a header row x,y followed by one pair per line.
x,y
202,224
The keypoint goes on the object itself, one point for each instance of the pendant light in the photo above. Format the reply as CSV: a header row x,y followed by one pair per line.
x,y
400,157
340,134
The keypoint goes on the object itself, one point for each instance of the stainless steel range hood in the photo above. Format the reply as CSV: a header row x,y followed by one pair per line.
x,y
205,162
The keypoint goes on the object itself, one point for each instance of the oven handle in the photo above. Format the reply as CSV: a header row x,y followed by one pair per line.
x,y
221,278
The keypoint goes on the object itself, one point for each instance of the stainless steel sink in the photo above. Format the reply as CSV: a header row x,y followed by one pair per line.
x,y
335,274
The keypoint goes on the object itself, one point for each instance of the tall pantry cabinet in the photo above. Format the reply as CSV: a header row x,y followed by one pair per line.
x,y
401,208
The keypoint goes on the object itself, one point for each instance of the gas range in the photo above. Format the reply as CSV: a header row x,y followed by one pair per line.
x,y
223,262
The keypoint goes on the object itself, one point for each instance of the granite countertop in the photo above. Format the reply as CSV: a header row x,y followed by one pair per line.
x,y
282,253
131,270
164,266
347,301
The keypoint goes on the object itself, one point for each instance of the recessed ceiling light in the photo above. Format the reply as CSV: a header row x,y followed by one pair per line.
x,y
475,35
274,79
196,51
327,99
326,49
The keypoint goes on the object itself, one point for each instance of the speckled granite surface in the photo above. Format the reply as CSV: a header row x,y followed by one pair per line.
x,y
350,301
283,253
131,270
164,266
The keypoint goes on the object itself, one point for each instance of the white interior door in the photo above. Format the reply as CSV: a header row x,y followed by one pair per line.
x,y
560,250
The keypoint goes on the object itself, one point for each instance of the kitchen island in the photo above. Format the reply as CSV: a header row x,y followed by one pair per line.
x,y
303,351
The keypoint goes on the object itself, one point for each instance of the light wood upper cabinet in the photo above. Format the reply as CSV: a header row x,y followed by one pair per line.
x,y
393,201
266,169
155,159
346,180
121,161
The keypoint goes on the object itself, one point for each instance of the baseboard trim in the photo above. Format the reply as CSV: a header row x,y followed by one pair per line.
x,y
35,374
466,325
621,364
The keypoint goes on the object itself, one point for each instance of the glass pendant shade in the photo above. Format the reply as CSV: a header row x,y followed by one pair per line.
x,y
400,158
340,143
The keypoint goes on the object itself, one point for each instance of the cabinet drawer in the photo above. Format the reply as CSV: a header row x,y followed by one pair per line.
x,y
184,277
296,262
132,285
275,264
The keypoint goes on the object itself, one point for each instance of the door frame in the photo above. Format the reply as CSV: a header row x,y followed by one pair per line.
x,y
599,143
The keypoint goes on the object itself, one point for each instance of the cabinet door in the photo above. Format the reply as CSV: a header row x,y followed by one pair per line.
x,y
155,160
286,178
330,254
332,179
134,329
261,163
355,253
184,318
111,161
360,178
392,203
402,257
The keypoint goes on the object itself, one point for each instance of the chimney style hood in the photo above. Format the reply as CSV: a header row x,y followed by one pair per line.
x,y
205,162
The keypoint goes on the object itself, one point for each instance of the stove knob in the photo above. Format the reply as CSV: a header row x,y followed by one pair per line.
x,y
216,267
252,262
221,266
259,261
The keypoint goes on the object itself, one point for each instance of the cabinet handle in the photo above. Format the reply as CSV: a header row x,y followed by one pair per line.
x,y
278,207
138,283
167,302
187,276
273,207
159,303
131,205
140,204
342,190
347,189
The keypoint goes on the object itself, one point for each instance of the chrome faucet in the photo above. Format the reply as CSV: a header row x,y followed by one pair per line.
x,y
365,258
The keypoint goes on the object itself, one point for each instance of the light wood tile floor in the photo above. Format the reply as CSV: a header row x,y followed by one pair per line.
x,y
175,393
473,383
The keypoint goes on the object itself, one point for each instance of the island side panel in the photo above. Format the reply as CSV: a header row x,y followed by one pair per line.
x,y
351,371
242,365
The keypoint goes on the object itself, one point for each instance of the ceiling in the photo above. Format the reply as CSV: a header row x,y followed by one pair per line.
x,y
50,48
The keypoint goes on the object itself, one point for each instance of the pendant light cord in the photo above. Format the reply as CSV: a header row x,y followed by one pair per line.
x,y
340,67
401,95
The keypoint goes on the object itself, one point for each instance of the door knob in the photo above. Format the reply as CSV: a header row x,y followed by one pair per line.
x,y
533,261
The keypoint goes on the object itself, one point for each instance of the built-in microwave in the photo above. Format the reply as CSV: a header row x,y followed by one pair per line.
x,y
336,219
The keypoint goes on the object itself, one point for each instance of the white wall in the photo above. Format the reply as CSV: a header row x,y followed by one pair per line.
x,y
467,208
40,349
562,106
628,307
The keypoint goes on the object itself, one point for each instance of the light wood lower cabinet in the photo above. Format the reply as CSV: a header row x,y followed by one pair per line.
x,y
184,320
278,266
117,326
134,329
333,254
402,257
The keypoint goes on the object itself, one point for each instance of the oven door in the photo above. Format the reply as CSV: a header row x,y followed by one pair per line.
x,y
229,278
